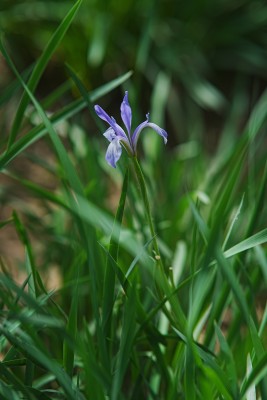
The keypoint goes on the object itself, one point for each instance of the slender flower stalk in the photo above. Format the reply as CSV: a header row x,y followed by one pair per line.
x,y
164,287
142,184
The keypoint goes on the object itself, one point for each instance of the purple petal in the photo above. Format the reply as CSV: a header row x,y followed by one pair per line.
x,y
147,124
113,152
126,113
103,115
119,131
159,131
137,132
110,134
111,121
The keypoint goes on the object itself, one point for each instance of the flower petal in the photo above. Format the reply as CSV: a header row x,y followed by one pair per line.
x,y
113,152
110,134
126,113
147,124
159,131
118,130
111,121
103,115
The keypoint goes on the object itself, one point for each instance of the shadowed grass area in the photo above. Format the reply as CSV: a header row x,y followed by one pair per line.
x,y
147,281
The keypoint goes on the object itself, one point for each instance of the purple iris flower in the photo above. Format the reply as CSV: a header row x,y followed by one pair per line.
x,y
117,136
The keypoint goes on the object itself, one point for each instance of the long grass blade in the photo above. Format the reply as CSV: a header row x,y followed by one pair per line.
x,y
249,243
126,343
230,276
258,372
40,67
109,280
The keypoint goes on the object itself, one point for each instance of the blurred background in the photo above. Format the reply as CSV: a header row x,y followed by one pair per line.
x,y
198,66
193,61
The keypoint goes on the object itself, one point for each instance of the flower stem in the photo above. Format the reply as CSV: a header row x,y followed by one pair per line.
x,y
142,184
164,287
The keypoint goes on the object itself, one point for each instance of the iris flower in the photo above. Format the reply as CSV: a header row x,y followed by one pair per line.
x,y
117,136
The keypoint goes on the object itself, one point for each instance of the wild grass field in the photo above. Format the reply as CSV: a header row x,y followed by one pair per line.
x,y
133,265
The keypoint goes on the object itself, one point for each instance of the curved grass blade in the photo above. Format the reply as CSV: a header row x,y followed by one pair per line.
x,y
68,351
13,87
216,378
258,373
259,351
126,343
38,191
203,228
230,276
6,222
35,282
255,240
259,204
137,258
251,392
228,359
233,223
190,374
96,217
117,270
227,187
40,67
257,117
86,97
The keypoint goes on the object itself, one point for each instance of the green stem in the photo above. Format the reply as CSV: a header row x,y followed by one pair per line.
x,y
142,184
163,285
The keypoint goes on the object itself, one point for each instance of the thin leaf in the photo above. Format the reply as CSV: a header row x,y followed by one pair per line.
x,y
35,282
228,358
40,67
203,229
109,279
233,223
68,350
216,379
257,374
126,342
259,351
230,276
249,243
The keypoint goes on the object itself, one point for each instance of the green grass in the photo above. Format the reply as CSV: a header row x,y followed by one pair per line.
x,y
115,321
